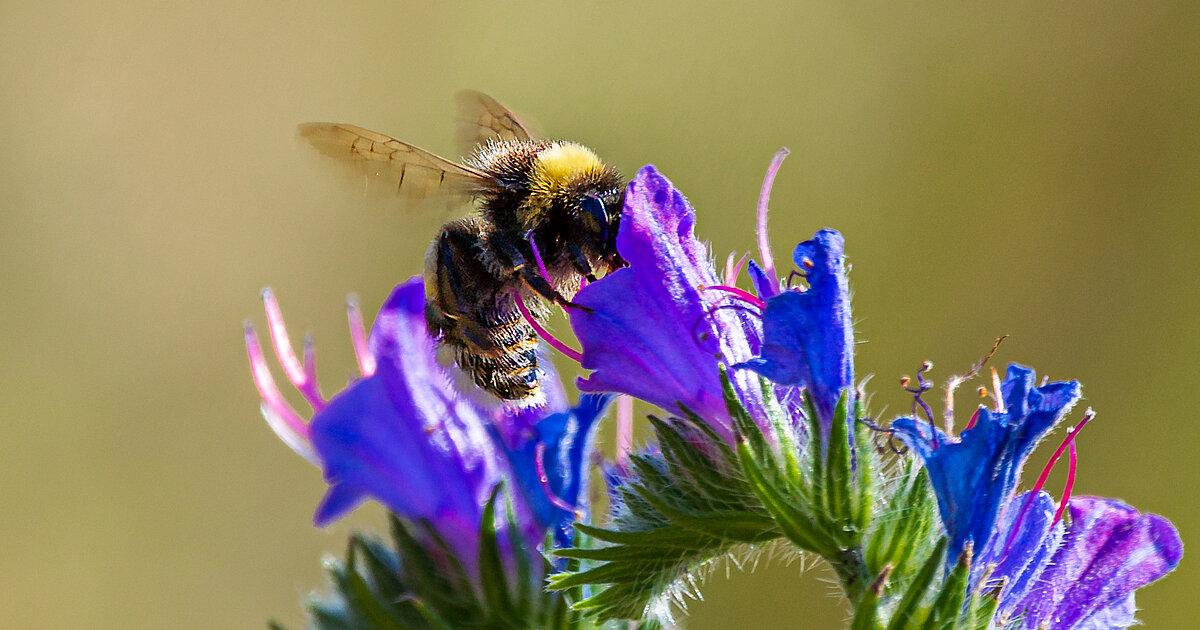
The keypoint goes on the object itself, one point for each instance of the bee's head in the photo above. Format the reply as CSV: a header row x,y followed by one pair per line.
x,y
600,213
570,186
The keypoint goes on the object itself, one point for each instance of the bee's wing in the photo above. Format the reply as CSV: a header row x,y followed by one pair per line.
x,y
481,118
401,168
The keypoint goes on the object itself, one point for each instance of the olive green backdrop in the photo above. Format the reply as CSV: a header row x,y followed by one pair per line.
x,y
1017,168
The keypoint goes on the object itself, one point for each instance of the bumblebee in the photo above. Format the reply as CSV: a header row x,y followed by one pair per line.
x,y
546,217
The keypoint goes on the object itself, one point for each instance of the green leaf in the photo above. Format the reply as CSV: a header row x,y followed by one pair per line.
x,y
369,612
944,613
492,576
902,531
866,614
982,609
837,467
907,612
681,507
791,517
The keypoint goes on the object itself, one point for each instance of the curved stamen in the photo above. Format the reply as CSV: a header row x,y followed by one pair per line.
x,y
310,358
298,374
539,461
358,338
922,387
998,392
1041,480
732,269
554,342
974,417
283,420
702,336
955,381
1067,487
764,241
745,295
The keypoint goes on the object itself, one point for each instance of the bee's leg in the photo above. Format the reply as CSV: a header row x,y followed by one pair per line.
x,y
452,252
581,262
540,285
530,274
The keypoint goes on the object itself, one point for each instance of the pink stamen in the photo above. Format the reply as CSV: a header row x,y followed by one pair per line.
x,y
284,420
310,359
1070,485
537,256
624,428
745,295
570,352
297,373
1041,480
974,417
539,461
583,282
732,269
764,241
358,338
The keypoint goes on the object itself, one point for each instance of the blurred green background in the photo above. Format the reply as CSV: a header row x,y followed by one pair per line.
x,y
1027,168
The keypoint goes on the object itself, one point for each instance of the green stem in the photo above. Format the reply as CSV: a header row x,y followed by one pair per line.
x,y
851,570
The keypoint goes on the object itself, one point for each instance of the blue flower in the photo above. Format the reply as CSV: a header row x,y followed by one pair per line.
x,y
405,436
1080,576
808,335
1055,575
975,475
653,330
551,466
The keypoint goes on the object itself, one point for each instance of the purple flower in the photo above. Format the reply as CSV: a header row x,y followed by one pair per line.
x,y
405,436
1080,576
975,475
653,330
659,329
808,335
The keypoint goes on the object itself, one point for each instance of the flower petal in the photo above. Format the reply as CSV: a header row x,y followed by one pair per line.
x,y
976,476
1109,551
651,330
565,439
403,437
808,337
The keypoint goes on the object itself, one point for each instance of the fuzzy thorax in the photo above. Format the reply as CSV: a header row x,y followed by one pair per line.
x,y
556,171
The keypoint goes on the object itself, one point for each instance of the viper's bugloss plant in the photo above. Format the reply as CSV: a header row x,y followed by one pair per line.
x,y
763,443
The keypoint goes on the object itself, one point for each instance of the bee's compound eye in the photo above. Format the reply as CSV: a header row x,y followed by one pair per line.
x,y
595,207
